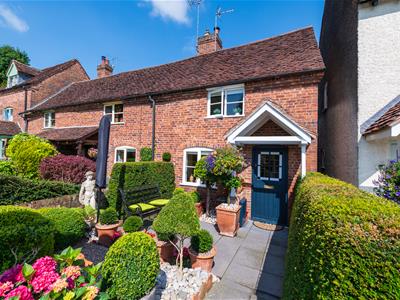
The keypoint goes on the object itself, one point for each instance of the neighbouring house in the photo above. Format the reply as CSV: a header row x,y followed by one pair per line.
x,y
26,87
262,96
359,95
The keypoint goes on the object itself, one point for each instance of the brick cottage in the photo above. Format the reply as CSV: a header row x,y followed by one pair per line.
x,y
261,96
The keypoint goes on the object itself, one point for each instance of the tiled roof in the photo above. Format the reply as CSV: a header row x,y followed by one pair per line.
x,y
23,68
42,75
9,128
294,52
389,117
68,133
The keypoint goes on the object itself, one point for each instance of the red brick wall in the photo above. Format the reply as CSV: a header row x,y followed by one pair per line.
x,y
270,129
16,101
181,122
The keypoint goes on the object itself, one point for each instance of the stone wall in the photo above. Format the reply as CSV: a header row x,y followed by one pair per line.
x,y
62,201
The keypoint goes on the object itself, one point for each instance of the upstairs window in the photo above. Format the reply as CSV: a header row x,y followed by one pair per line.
x,y
226,101
12,80
190,157
125,154
49,119
8,114
116,111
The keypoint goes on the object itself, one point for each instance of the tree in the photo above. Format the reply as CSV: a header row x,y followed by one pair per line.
x,y
7,54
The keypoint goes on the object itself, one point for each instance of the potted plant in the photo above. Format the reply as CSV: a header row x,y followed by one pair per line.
x,y
107,227
202,251
197,203
165,247
132,224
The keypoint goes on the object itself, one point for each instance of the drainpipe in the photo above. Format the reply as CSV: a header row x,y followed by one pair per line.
x,y
25,108
153,124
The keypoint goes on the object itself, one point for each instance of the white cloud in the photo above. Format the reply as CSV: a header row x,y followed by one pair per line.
x,y
175,10
8,17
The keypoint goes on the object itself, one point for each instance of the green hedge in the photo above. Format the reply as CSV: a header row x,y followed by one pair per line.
x,y
26,233
20,190
69,224
6,167
135,174
343,243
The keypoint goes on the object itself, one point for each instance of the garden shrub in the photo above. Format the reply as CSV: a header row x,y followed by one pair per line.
x,y
344,243
131,266
145,154
388,182
135,174
26,151
166,156
195,196
67,168
202,242
178,191
69,224
132,224
6,167
15,189
108,216
26,233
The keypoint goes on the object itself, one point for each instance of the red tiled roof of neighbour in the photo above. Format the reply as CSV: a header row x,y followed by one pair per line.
x,y
23,68
42,75
389,117
291,53
68,133
9,128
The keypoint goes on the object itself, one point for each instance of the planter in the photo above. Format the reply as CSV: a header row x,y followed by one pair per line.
x,y
166,251
228,219
199,209
106,233
203,261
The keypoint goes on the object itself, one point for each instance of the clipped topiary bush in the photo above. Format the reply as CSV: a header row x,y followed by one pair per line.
x,y
166,156
15,189
26,151
178,191
343,243
6,167
24,236
132,224
67,168
131,266
195,196
136,174
145,154
69,224
202,242
108,216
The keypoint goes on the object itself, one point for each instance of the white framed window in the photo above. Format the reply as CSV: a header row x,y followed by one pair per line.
x,y
3,143
13,80
8,114
116,111
49,119
269,166
190,157
124,154
226,101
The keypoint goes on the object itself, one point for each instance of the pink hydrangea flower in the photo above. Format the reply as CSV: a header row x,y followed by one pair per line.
x,y
5,288
45,264
72,272
59,285
43,281
22,292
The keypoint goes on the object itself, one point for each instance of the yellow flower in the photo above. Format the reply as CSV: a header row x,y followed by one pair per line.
x,y
91,293
69,296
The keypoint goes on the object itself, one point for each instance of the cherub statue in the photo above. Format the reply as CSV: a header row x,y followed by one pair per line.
x,y
87,193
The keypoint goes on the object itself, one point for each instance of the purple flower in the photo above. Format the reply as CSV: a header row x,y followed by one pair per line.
x,y
11,274
210,160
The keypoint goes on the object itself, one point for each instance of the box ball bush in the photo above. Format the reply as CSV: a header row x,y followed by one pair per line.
x,y
132,224
133,175
131,266
108,216
166,156
26,233
145,154
69,224
67,168
202,242
344,243
6,167
15,189
26,151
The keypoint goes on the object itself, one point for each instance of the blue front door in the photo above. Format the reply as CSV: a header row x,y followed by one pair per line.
x,y
269,185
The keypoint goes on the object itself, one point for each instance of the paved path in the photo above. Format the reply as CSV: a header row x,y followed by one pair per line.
x,y
251,265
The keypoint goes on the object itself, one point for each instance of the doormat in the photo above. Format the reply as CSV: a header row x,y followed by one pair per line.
x,y
266,226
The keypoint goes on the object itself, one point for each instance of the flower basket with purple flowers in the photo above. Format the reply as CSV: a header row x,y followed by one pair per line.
x,y
388,182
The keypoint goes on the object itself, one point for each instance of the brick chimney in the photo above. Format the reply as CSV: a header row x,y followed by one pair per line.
x,y
209,42
104,69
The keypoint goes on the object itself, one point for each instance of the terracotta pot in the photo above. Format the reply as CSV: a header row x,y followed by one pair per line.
x,y
199,209
228,220
203,261
106,233
166,251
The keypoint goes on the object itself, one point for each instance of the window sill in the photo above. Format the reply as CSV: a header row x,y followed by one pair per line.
x,y
118,123
193,184
222,117
49,127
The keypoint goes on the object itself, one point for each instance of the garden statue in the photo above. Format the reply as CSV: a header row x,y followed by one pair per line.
x,y
87,193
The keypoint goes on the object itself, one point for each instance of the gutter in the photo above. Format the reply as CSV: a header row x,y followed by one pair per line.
x,y
153,126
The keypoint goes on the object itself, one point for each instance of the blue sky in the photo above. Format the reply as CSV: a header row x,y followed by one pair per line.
x,y
137,34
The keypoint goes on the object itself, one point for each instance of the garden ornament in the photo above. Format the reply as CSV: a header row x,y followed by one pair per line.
x,y
87,193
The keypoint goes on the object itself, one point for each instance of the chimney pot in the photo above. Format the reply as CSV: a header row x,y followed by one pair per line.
x,y
209,43
104,69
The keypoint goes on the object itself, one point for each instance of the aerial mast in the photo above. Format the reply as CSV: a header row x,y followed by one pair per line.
x,y
196,3
218,15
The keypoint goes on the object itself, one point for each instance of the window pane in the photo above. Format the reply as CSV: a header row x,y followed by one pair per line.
x,y
205,153
215,109
118,108
274,166
7,114
119,118
263,166
270,166
191,159
234,109
2,149
120,156
234,96
130,155
216,98
108,109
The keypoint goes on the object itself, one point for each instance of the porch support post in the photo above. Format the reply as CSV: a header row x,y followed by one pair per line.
x,y
303,160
